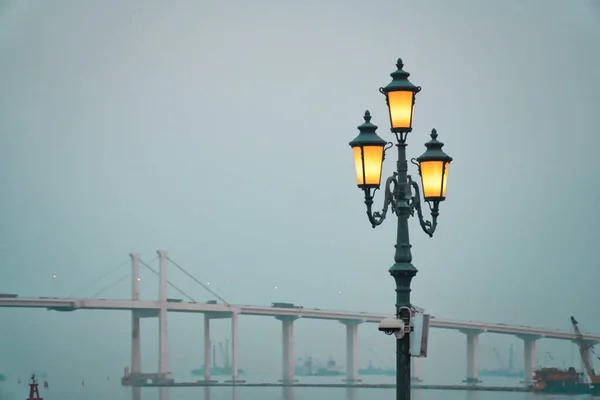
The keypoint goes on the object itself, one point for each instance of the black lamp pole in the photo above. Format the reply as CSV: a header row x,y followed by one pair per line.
x,y
402,195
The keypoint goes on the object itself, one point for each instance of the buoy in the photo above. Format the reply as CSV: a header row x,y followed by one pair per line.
x,y
34,393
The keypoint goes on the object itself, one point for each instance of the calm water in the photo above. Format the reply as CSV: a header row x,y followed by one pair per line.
x,y
99,389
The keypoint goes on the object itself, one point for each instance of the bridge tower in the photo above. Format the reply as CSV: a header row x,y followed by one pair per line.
x,y
136,362
163,351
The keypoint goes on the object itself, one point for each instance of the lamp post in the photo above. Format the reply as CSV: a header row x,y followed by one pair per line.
x,y
402,196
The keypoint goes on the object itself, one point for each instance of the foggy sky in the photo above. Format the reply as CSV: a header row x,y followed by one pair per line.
x,y
219,131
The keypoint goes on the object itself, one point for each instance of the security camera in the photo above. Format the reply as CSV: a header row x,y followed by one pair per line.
x,y
392,326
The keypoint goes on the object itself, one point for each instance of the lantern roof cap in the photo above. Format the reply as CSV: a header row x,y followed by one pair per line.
x,y
367,135
400,81
434,150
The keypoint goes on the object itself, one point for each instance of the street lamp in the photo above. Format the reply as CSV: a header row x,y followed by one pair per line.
x,y
402,195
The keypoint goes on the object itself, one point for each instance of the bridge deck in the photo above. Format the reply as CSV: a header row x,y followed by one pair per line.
x,y
226,310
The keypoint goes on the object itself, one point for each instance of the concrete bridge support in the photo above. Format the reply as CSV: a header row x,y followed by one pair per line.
x,y
351,350
136,359
287,350
472,355
163,347
529,357
234,349
163,351
207,349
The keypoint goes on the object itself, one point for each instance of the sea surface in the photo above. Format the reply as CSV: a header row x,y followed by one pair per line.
x,y
104,389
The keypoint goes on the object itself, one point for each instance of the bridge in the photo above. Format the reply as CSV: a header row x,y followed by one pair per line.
x,y
152,308
214,310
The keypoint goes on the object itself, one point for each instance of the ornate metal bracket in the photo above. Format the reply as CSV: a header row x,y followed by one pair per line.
x,y
377,218
415,204
394,193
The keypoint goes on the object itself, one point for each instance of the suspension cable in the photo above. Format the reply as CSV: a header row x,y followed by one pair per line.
x,y
169,282
89,285
197,281
121,279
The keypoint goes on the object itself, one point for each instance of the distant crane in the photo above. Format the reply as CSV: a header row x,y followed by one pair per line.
x,y
511,358
547,356
226,358
377,357
586,350
214,356
498,358
222,352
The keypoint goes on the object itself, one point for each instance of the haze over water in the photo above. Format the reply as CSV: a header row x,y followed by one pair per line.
x,y
219,130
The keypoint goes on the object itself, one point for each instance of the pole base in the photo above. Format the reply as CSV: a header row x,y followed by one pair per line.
x,y
284,381
235,381
352,380
472,381
207,381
